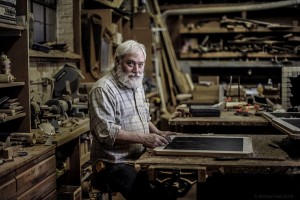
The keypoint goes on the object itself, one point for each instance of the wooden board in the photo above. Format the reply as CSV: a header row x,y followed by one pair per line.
x,y
200,145
40,190
273,154
37,173
227,118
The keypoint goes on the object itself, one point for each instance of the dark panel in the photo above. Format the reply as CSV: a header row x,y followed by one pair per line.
x,y
206,143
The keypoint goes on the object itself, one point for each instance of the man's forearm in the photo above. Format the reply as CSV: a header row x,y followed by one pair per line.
x,y
148,140
131,137
152,128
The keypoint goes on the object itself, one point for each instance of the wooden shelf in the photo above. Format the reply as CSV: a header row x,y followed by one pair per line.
x,y
85,158
13,84
228,54
9,118
217,30
54,54
10,29
4,26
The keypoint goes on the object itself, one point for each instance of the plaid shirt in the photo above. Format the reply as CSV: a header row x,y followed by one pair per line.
x,y
112,107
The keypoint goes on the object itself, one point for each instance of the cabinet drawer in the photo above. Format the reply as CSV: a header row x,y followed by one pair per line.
x,y
40,190
35,174
8,189
52,195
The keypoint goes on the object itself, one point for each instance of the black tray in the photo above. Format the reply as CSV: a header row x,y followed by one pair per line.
x,y
201,145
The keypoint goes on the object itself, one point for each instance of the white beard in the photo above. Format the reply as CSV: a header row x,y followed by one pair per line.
x,y
130,80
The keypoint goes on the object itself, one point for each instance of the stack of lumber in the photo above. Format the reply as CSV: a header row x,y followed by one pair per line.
x,y
173,80
11,107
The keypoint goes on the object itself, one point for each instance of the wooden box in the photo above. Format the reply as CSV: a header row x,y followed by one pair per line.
x,y
206,94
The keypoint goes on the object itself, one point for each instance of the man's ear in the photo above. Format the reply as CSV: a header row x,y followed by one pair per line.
x,y
117,61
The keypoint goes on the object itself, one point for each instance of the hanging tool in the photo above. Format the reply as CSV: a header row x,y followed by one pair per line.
x,y
86,40
228,23
95,46
91,27
239,89
266,24
229,90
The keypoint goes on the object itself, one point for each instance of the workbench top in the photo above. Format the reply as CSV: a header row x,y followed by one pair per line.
x,y
34,155
272,154
227,118
68,132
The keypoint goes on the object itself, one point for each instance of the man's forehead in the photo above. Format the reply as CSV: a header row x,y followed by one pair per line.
x,y
134,56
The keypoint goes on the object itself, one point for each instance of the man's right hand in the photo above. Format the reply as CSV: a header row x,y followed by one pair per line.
x,y
153,140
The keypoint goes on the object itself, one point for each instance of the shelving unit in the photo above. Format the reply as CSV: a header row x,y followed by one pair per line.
x,y
72,154
240,43
14,40
14,44
211,40
112,28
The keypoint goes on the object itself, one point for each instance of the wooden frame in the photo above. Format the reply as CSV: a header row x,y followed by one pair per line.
x,y
247,149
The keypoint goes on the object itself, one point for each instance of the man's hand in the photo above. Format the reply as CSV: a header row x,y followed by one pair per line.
x,y
167,134
153,140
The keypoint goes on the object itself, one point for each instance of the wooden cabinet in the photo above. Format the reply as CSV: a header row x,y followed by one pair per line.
x,y
30,177
72,152
14,44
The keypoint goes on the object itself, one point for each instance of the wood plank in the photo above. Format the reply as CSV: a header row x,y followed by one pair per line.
x,y
179,77
68,135
36,174
36,154
227,118
8,189
169,79
41,189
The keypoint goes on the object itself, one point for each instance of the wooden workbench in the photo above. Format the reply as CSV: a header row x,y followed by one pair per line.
x,y
72,149
227,123
30,176
275,161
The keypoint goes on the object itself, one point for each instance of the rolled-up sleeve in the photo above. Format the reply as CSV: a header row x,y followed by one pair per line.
x,y
102,115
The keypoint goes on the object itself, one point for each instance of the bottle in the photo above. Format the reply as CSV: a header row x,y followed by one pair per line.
x,y
270,84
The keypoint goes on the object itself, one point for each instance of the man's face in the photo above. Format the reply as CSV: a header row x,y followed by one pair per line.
x,y
130,69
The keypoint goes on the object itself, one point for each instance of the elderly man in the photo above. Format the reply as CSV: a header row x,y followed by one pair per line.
x,y
120,123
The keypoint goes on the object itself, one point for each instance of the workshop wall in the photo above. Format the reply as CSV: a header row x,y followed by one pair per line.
x,y
42,70
65,31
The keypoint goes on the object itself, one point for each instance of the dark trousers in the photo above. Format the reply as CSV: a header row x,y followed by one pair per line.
x,y
125,179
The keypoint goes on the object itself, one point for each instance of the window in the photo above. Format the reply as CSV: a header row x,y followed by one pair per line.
x,y
44,20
